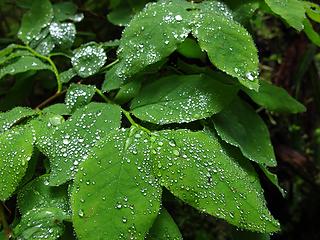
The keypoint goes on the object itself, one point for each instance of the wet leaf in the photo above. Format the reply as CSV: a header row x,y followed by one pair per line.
x,y
38,17
67,75
128,91
16,146
164,228
63,34
38,194
275,99
240,126
13,55
242,10
13,116
58,108
292,11
69,144
180,99
79,95
64,11
229,46
23,64
142,45
211,177
43,223
88,60
124,202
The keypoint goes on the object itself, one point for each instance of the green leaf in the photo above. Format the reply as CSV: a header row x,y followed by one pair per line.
x,y
59,109
182,99
63,34
79,95
67,75
142,44
128,91
38,194
7,50
112,81
88,60
242,10
191,49
14,116
273,178
43,223
64,11
124,11
312,10
14,55
23,64
69,144
46,45
164,228
115,191
311,33
229,46
292,11
16,146
240,126
275,99
38,17
211,177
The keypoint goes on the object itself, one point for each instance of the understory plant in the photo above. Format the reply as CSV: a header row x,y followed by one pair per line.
x,y
175,113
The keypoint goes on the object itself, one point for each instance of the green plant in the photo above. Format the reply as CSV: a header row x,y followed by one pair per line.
x,y
108,152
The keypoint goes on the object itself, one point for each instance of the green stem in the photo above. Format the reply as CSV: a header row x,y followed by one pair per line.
x,y
4,223
59,54
109,65
47,59
125,112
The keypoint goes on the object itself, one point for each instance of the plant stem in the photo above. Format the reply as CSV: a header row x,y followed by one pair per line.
x,y
109,65
47,59
4,223
50,99
125,112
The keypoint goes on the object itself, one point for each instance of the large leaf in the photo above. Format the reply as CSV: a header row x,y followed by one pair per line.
x,y
275,99
12,117
179,99
69,144
115,191
211,177
241,126
79,95
16,148
143,44
38,194
38,17
292,11
164,228
43,223
229,46
23,64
